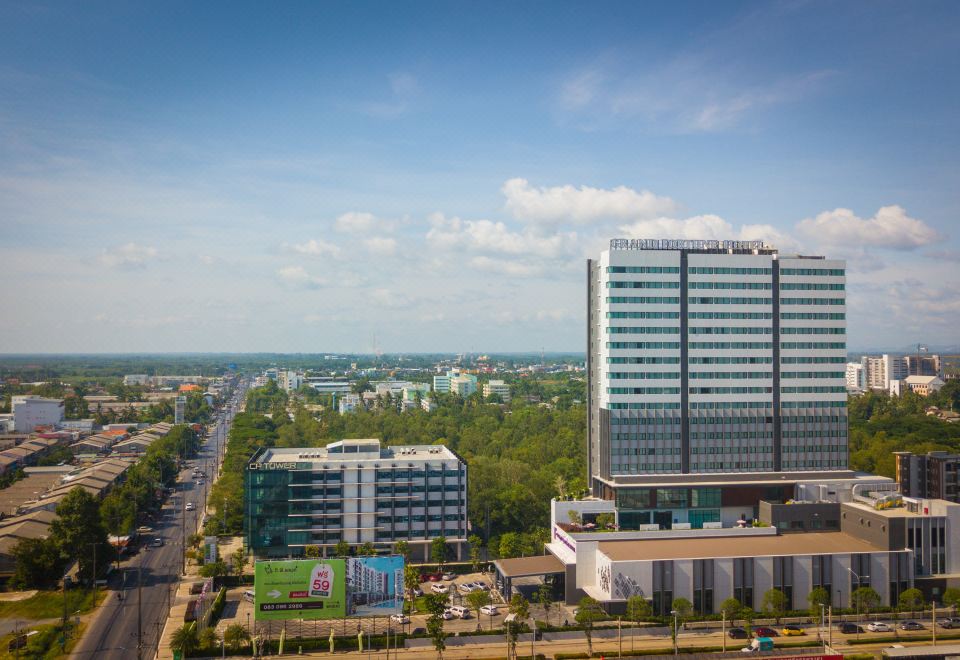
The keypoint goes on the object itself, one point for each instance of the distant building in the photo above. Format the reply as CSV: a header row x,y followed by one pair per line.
x,y
428,405
463,385
328,385
355,491
289,381
934,475
442,383
411,391
179,409
497,387
348,403
924,365
31,411
136,379
880,372
923,385
855,382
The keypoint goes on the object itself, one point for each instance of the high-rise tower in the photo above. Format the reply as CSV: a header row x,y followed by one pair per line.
x,y
714,357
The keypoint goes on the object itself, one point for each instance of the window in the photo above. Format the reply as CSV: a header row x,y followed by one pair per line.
x,y
743,580
703,586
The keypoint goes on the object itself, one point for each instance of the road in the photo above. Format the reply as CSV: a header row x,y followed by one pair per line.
x,y
148,580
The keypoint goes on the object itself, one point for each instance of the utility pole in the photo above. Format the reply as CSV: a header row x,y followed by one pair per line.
x,y
63,630
94,574
140,610
183,531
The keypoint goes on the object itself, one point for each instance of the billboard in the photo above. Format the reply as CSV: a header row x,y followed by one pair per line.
x,y
328,588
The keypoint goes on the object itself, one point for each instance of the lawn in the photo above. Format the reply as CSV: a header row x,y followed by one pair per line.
x,y
45,644
49,604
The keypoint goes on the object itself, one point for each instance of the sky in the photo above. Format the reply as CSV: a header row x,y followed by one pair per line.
x,y
418,177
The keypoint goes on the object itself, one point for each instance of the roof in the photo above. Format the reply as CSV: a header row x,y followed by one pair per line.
x,y
529,566
814,543
343,451
941,650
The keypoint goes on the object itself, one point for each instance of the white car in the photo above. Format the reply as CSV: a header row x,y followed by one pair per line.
x,y
466,587
439,588
189,506
447,615
400,618
878,626
448,576
489,610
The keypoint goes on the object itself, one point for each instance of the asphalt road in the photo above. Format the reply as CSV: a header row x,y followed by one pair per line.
x,y
148,580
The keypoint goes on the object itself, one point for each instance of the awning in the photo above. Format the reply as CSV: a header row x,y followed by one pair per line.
x,y
529,566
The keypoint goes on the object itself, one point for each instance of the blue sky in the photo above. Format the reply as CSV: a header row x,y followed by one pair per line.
x,y
304,176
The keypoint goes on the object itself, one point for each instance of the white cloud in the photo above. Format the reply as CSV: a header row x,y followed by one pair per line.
x,y
315,248
355,222
381,246
128,256
581,205
706,227
487,236
298,277
510,267
890,227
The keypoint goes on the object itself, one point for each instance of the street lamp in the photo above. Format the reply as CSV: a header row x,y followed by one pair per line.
x,y
676,634
858,600
823,639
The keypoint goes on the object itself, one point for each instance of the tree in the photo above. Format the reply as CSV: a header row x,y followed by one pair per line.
x,y
818,596
747,614
411,579
638,609
476,600
438,551
544,596
911,599
238,559
520,609
951,597
511,545
208,638
605,520
78,528
184,639
367,550
402,548
311,551
475,544
731,608
235,635
341,549
435,604
37,564
214,569
865,599
774,604
560,484
588,613
574,517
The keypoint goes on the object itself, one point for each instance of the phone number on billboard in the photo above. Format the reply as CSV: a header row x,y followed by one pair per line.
x,y
275,607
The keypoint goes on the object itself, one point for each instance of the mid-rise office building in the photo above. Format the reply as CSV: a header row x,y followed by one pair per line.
x,y
934,475
855,381
924,365
355,491
497,387
30,411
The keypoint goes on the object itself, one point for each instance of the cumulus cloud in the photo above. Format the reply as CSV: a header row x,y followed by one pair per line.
x,y
706,227
890,227
381,246
581,205
128,256
315,248
488,236
298,277
510,267
356,222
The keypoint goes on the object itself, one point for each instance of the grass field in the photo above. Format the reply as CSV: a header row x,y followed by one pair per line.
x,y
49,604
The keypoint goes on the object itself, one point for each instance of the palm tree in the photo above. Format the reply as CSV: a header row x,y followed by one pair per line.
x,y
235,635
184,639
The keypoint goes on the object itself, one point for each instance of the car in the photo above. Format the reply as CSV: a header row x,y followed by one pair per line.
x,y
765,631
143,529
417,592
439,588
481,585
157,542
448,576
466,587
949,622
189,506
849,628
447,615
733,633
878,626
400,618
911,625
489,610
792,630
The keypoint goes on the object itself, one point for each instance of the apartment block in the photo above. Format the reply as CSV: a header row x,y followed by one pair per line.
x,y
30,411
933,475
497,387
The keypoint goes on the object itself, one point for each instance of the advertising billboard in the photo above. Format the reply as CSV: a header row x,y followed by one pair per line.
x,y
328,588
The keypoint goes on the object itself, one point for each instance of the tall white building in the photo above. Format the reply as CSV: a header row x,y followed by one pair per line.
x,y
289,381
855,381
179,409
30,411
497,387
714,356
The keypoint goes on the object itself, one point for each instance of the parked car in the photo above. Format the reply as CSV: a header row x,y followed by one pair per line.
x,y
439,588
143,529
189,506
448,576
734,633
459,611
400,618
911,625
765,631
434,577
481,585
489,610
249,595
849,628
447,615
466,588
417,592
878,626
949,622
792,630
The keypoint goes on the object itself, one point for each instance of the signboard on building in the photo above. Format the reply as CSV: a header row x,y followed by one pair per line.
x,y
209,549
328,588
